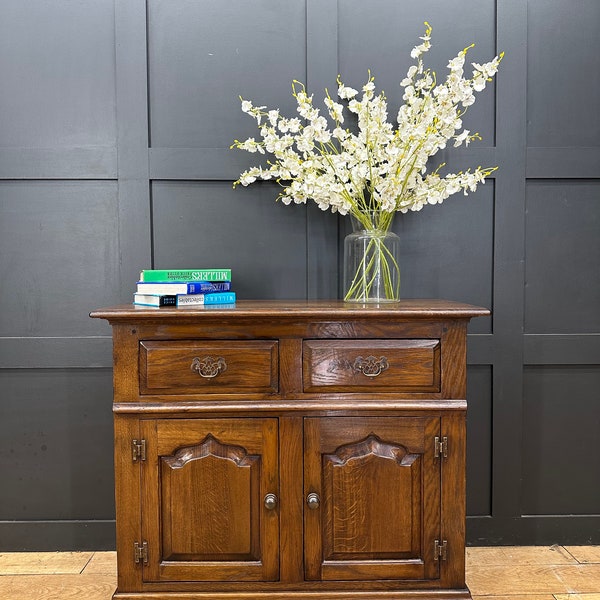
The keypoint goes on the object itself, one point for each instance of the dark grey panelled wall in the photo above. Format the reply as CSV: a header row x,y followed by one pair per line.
x,y
116,118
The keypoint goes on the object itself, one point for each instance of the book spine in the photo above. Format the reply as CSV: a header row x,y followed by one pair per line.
x,y
154,275
208,287
197,287
217,298
213,298
155,300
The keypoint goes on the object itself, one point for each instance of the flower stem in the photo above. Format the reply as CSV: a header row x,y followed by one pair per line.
x,y
377,273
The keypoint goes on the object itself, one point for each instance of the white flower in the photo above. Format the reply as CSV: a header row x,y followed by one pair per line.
x,y
418,50
251,145
294,125
386,163
463,137
336,111
457,63
368,89
340,134
409,76
479,82
354,106
346,93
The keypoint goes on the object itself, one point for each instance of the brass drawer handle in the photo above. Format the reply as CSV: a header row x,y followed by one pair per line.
x,y
209,366
370,366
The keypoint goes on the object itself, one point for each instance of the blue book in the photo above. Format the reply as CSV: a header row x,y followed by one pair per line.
x,y
212,298
183,287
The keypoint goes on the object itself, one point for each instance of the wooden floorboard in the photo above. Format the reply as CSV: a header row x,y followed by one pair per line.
x,y
56,587
499,573
520,555
43,563
550,573
585,554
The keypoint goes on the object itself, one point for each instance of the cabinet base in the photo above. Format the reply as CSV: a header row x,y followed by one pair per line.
x,y
463,594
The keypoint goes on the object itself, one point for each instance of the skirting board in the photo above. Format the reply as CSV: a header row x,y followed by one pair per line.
x,y
50,536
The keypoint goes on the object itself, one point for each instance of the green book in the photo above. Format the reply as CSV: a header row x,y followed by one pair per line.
x,y
186,275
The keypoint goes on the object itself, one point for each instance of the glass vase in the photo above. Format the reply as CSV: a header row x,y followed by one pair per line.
x,y
371,259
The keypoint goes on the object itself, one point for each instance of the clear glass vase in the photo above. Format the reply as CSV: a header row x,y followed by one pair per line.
x,y
371,259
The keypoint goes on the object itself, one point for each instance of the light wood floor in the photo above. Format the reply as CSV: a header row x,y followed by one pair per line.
x,y
501,573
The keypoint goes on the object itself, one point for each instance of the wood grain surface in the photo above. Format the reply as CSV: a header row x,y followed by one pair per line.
x,y
97,579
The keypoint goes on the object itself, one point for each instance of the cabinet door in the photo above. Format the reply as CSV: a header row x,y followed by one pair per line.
x,y
204,513
376,513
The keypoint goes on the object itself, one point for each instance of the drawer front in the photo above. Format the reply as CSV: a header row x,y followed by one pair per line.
x,y
371,365
208,367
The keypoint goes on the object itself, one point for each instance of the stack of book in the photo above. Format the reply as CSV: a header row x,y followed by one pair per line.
x,y
184,287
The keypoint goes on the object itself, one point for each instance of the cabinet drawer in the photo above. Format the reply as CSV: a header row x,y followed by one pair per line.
x,y
371,365
208,367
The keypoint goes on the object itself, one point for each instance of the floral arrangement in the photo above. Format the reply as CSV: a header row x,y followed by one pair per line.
x,y
379,168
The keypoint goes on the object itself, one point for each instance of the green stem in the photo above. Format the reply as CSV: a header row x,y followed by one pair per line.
x,y
377,266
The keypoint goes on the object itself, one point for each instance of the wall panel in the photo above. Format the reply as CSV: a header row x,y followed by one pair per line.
x,y
203,55
563,87
562,261
479,441
59,258
56,456
447,251
562,421
59,250
57,64
264,244
116,118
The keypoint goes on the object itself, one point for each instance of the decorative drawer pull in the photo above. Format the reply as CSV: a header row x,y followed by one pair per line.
x,y
370,366
209,366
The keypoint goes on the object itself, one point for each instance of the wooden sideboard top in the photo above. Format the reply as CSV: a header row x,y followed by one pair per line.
x,y
322,309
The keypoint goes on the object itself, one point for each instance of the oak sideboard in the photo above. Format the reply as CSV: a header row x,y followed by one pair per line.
x,y
290,450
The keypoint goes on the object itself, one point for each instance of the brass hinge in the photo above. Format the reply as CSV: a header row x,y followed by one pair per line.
x,y
139,450
140,553
440,447
440,550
